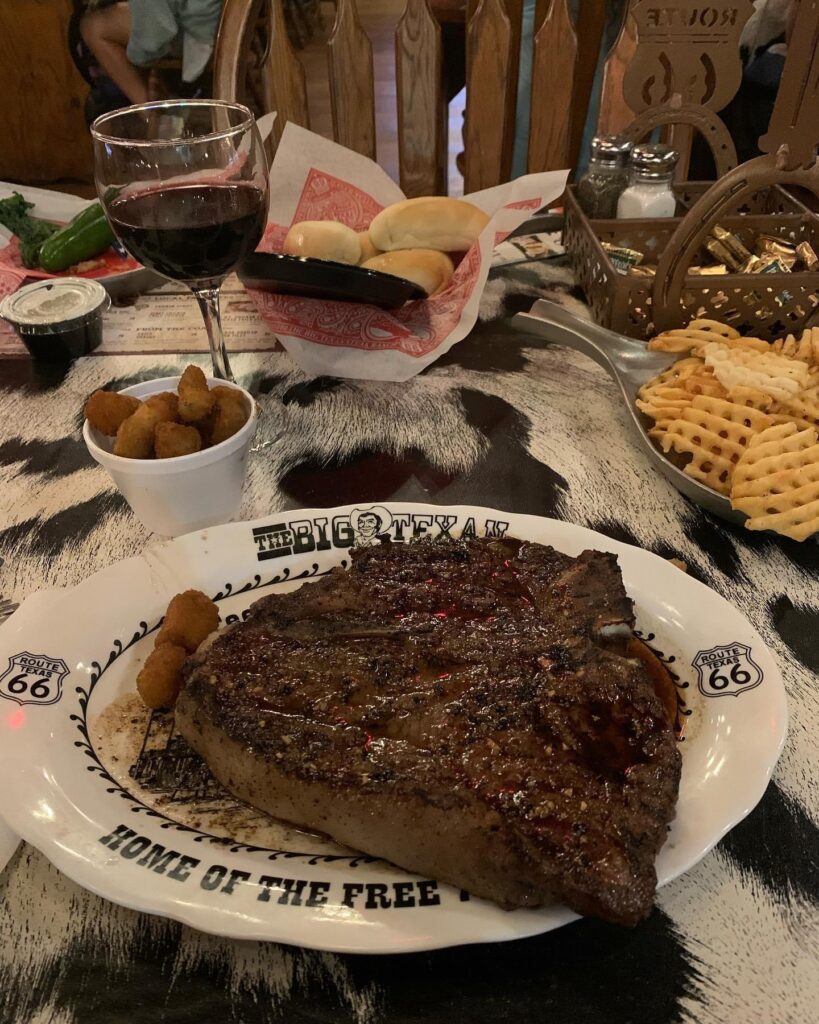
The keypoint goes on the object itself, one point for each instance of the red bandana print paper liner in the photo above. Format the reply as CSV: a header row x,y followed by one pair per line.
x,y
350,339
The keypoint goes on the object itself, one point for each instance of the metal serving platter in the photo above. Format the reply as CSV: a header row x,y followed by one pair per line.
x,y
630,365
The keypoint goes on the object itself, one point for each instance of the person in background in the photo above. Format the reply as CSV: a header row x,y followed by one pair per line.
x,y
764,45
126,39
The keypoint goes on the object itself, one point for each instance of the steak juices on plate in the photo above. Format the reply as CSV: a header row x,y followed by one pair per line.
x,y
466,710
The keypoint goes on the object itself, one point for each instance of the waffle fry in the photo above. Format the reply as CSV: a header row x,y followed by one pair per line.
x,y
681,370
705,383
753,398
752,344
790,347
779,376
714,327
715,433
770,449
809,347
687,340
707,464
776,482
745,416
663,405
673,377
806,349
803,405
681,341
746,420
693,337
785,417
664,397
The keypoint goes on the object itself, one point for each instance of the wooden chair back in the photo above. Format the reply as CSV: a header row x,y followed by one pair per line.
x,y
255,62
271,77
42,122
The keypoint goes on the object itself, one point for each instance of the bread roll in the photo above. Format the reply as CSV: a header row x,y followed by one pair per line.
x,y
323,240
428,268
368,250
429,222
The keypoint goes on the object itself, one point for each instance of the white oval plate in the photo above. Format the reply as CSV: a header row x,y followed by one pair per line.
x,y
67,655
8,844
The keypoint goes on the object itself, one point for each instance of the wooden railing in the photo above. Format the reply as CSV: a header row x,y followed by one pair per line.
x,y
564,61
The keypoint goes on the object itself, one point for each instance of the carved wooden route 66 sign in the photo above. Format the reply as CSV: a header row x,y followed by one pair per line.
x,y
727,670
33,679
686,48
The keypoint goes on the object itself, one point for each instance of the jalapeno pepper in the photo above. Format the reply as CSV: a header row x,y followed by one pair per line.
x,y
86,236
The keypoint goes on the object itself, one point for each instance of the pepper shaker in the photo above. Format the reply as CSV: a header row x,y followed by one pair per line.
x,y
607,175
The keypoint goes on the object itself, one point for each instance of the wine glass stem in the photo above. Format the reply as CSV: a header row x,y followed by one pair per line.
x,y
208,299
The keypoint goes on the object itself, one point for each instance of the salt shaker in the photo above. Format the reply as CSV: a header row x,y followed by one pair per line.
x,y
649,192
600,187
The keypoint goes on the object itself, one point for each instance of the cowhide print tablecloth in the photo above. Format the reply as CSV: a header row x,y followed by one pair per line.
x,y
501,421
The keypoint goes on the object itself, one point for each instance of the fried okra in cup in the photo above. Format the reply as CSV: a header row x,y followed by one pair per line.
x,y
178,473
169,425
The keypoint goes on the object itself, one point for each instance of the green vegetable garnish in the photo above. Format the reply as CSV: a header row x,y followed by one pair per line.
x,y
86,236
31,231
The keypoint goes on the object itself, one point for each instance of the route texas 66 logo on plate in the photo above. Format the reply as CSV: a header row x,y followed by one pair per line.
x,y
727,670
33,679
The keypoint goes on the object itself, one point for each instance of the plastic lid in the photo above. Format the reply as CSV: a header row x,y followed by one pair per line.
x,y
55,304
610,149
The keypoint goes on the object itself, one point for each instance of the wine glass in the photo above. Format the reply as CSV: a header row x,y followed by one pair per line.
x,y
184,186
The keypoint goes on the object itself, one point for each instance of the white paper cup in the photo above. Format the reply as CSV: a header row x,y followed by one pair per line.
x,y
175,496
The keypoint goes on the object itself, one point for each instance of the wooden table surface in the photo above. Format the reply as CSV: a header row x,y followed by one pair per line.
x,y
517,426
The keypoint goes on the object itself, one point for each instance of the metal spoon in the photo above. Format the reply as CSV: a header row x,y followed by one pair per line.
x,y
630,365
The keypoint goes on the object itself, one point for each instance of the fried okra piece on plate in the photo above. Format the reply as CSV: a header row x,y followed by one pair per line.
x,y
160,678
191,616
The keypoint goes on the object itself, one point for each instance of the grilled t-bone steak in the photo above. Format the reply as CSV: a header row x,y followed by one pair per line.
x,y
462,709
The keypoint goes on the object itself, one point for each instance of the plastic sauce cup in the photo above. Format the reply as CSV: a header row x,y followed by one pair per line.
x,y
59,318
175,496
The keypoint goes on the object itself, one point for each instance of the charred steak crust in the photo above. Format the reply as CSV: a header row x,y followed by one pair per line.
x,y
462,709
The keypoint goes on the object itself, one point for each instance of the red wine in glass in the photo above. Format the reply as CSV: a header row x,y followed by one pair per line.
x,y
194,233
184,184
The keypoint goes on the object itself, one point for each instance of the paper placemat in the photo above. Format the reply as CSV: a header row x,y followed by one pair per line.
x,y
167,319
